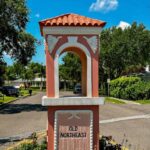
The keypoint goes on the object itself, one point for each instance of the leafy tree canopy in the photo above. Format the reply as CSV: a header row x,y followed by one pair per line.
x,y
13,39
29,72
123,48
70,69
2,71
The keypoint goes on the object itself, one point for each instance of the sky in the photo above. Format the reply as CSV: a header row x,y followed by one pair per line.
x,y
120,13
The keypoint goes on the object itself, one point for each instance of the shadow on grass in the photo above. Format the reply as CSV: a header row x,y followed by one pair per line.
x,y
17,108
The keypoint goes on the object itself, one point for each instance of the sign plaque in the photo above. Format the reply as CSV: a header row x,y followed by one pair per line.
x,y
73,130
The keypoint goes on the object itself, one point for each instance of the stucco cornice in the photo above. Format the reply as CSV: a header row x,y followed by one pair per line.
x,y
72,30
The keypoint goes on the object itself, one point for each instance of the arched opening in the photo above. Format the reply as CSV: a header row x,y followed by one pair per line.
x,y
70,75
75,72
85,71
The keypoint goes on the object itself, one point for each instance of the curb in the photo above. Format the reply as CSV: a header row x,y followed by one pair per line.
x,y
14,141
126,101
6,104
20,136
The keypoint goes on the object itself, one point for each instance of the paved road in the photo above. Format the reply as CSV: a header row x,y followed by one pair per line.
x,y
131,122
23,116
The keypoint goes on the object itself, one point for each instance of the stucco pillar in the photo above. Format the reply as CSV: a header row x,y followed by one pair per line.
x,y
84,77
50,92
95,80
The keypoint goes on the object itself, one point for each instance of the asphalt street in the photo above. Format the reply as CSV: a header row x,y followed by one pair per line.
x,y
127,123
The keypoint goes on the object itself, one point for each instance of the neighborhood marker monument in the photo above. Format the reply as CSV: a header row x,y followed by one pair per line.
x,y
73,122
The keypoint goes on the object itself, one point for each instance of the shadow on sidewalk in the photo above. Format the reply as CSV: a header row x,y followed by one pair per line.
x,y
17,108
3,141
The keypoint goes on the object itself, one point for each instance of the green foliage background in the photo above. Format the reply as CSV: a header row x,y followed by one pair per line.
x,y
14,40
70,69
131,88
121,49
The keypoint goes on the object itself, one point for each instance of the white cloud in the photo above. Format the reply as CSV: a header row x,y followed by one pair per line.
x,y
104,5
37,15
123,25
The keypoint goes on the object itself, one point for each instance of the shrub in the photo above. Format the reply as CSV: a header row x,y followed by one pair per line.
x,y
106,143
132,88
33,144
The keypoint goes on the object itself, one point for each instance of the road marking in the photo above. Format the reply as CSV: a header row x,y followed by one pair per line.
x,y
147,116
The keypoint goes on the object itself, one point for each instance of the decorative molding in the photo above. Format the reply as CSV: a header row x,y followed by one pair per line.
x,y
72,39
89,66
52,40
93,42
72,30
91,130
72,101
74,115
55,131
72,111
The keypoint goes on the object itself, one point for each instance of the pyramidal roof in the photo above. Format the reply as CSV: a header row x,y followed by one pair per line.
x,y
72,20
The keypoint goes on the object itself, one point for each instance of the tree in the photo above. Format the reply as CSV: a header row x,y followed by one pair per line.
x,y
38,70
14,40
10,73
14,71
18,69
70,69
112,51
27,74
2,72
123,48
25,50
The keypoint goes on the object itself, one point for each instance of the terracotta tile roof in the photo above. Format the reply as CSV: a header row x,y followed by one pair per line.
x,y
72,20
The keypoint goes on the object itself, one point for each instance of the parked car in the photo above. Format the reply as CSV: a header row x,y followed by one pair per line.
x,y
77,89
10,91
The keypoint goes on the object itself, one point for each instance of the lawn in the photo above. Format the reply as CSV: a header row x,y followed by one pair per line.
x,y
118,101
23,93
143,101
6,99
114,101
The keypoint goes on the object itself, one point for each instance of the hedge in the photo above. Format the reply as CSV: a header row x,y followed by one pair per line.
x,y
131,88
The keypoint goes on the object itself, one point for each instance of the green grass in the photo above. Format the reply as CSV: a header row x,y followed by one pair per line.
x,y
114,101
143,101
118,101
23,92
7,99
